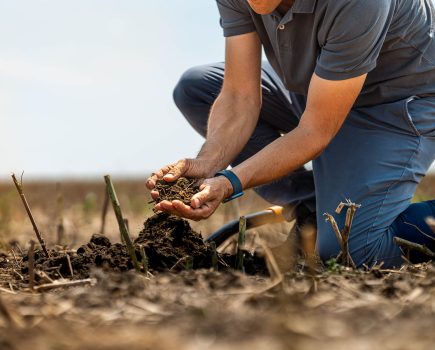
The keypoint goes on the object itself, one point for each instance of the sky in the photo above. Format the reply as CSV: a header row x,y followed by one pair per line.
x,y
86,85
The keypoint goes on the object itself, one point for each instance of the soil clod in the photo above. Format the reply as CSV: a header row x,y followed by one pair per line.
x,y
169,244
183,189
167,239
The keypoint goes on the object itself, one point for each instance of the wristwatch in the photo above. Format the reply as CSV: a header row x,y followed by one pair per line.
x,y
235,182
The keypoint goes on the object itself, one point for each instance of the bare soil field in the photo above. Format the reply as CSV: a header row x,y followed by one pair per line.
x,y
177,304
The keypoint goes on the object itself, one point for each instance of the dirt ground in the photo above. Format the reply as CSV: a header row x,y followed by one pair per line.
x,y
333,308
212,310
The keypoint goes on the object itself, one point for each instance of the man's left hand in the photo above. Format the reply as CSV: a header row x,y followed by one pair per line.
x,y
212,192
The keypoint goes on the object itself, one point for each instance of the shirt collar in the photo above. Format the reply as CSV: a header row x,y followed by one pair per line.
x,y
300,6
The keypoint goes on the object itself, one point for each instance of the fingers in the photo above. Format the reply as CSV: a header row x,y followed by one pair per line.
x,y
151,181
203,204
154,194
177,170
178,208
169,173
201,197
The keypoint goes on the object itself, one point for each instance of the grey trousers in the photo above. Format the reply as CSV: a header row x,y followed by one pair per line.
x,y
377,159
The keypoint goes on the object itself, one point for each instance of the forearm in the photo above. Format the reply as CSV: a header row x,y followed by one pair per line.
x,y
328,104
233,118
282,156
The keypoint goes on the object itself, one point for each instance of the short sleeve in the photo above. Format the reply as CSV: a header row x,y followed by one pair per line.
x,y
235,17
354,39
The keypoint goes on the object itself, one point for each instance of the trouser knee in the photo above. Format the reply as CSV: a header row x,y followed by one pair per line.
x,y
194,95
182,94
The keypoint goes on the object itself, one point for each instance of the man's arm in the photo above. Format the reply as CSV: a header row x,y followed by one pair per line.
x,y
233,116
235,112
328,104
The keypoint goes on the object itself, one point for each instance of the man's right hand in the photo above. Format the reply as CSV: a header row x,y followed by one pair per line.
x,y
192,168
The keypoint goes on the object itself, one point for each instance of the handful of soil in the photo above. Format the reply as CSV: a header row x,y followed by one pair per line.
x,y
183,190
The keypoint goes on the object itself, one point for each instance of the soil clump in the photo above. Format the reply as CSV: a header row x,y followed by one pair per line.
x,y
169,243
167,239
183,189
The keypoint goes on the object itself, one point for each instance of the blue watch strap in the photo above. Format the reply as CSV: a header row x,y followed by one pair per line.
x,y
235,182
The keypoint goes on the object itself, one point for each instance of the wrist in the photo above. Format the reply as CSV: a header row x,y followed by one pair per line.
x,y
234,189
228,187
213,155
242,176
210,167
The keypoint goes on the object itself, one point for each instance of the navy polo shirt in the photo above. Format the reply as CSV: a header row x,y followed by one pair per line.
x,y
391,40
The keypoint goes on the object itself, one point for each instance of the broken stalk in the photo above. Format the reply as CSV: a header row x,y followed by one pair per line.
x,y
121,223
104,212
31,255
214,257
414,246
144,259
241,244
19,187
343,236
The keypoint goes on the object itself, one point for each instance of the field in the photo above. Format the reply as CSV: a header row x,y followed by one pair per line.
x,y
330,308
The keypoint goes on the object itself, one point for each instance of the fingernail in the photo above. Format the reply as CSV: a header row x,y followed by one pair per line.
x,y
196,203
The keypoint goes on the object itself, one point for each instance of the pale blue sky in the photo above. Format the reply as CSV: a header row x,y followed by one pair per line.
x,y
86,85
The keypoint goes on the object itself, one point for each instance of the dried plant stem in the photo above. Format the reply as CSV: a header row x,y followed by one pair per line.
x,y
144,259
414,246
42,275
121,223
127,224
3,290
343,236
68,259
241,244
214,256
59,204
308,236
31,255
104,213
350,213
41,241
183,259
335,228
54,285
272,265
15,258
189,262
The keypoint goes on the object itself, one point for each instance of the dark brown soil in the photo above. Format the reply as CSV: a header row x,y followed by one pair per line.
x,y
98,252
167,239
169,242
183,189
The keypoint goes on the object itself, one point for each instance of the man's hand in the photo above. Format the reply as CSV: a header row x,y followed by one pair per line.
x,y
193,168
204,203
232,120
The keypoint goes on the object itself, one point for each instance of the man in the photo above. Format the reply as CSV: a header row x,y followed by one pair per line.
x,y
350,85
